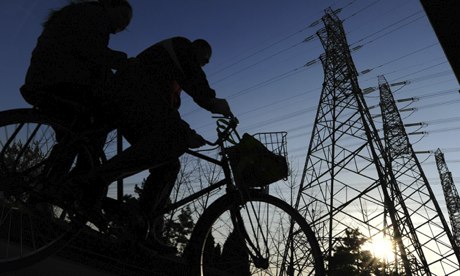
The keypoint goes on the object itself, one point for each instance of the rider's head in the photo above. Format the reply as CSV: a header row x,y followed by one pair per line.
x,y
202,51
120,12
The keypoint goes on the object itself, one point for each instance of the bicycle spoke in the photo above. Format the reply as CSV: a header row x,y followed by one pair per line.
x,y
29,226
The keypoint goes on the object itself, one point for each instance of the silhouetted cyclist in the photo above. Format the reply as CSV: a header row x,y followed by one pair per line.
x,y
145,98
71,63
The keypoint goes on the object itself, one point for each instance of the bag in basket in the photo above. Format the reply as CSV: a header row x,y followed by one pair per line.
x,y
254,165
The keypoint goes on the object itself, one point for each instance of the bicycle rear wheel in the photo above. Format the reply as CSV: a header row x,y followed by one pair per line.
x,y
32,227
261,236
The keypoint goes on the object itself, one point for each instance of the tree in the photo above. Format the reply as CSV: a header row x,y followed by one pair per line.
x,y
177,232
19,167
212,252
235,258
350,259
17,158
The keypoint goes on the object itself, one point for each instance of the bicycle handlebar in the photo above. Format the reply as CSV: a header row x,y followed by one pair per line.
x,y
225,125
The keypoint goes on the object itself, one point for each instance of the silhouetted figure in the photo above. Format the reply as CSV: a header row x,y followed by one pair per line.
x,y
72,63
71,60
145,97
235,259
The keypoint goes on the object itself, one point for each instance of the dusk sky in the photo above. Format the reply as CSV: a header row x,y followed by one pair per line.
x,y
261,49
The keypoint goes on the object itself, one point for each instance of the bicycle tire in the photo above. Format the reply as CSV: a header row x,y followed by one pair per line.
x,y
300,256
30,229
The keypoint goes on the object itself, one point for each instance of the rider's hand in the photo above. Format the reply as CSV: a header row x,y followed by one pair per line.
x,y
220,106
196,140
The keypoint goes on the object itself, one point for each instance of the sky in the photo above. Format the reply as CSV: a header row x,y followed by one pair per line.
x,y
265,63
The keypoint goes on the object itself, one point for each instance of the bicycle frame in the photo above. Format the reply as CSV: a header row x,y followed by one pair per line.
x,y
202,192
223,163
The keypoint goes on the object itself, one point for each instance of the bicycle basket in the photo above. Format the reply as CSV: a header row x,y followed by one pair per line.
x,y
259,160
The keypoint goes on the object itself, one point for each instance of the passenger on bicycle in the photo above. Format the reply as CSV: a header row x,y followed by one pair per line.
x,y
71,60
72,63
145,99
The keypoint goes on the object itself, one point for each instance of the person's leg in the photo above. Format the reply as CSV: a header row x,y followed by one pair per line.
x,y
155,195
156,135
157,188
134,159
149,152
52,101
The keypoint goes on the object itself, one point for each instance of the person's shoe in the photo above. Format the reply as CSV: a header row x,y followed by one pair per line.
x,y
88,201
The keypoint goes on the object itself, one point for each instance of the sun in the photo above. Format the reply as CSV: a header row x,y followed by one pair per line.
x,y
382,248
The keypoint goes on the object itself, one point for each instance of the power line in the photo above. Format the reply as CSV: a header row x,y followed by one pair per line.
x,y
311,25
361,10
297,113
258,62
389,26
400,57
299,43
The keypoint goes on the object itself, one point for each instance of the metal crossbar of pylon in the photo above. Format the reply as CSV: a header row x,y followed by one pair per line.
x,y
428,222
450,194
345,182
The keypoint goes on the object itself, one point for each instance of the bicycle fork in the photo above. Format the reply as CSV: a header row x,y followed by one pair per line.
x,y
253,250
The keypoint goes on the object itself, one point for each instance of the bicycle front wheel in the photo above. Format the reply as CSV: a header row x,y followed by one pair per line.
x,y
261,236
31,227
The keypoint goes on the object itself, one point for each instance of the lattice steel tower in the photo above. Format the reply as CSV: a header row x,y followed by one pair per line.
x,y
346,181
450,194
429,224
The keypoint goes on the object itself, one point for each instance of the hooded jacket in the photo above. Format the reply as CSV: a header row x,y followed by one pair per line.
x,y
73,48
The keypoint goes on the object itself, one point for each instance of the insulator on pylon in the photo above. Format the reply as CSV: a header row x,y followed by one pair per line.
x,y
416,124
369,90
321,31
314,23
418,133
309,38
423,152
373,106
356,48
337,11
365,71
408,109
407,100
399,83
311,62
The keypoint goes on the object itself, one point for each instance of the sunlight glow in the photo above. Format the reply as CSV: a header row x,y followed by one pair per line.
x,y
382,248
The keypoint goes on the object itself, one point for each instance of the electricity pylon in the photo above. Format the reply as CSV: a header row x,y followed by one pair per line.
x,y
346,182
450,194
429,225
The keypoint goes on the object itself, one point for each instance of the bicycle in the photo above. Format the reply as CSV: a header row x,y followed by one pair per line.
x,y
272,237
